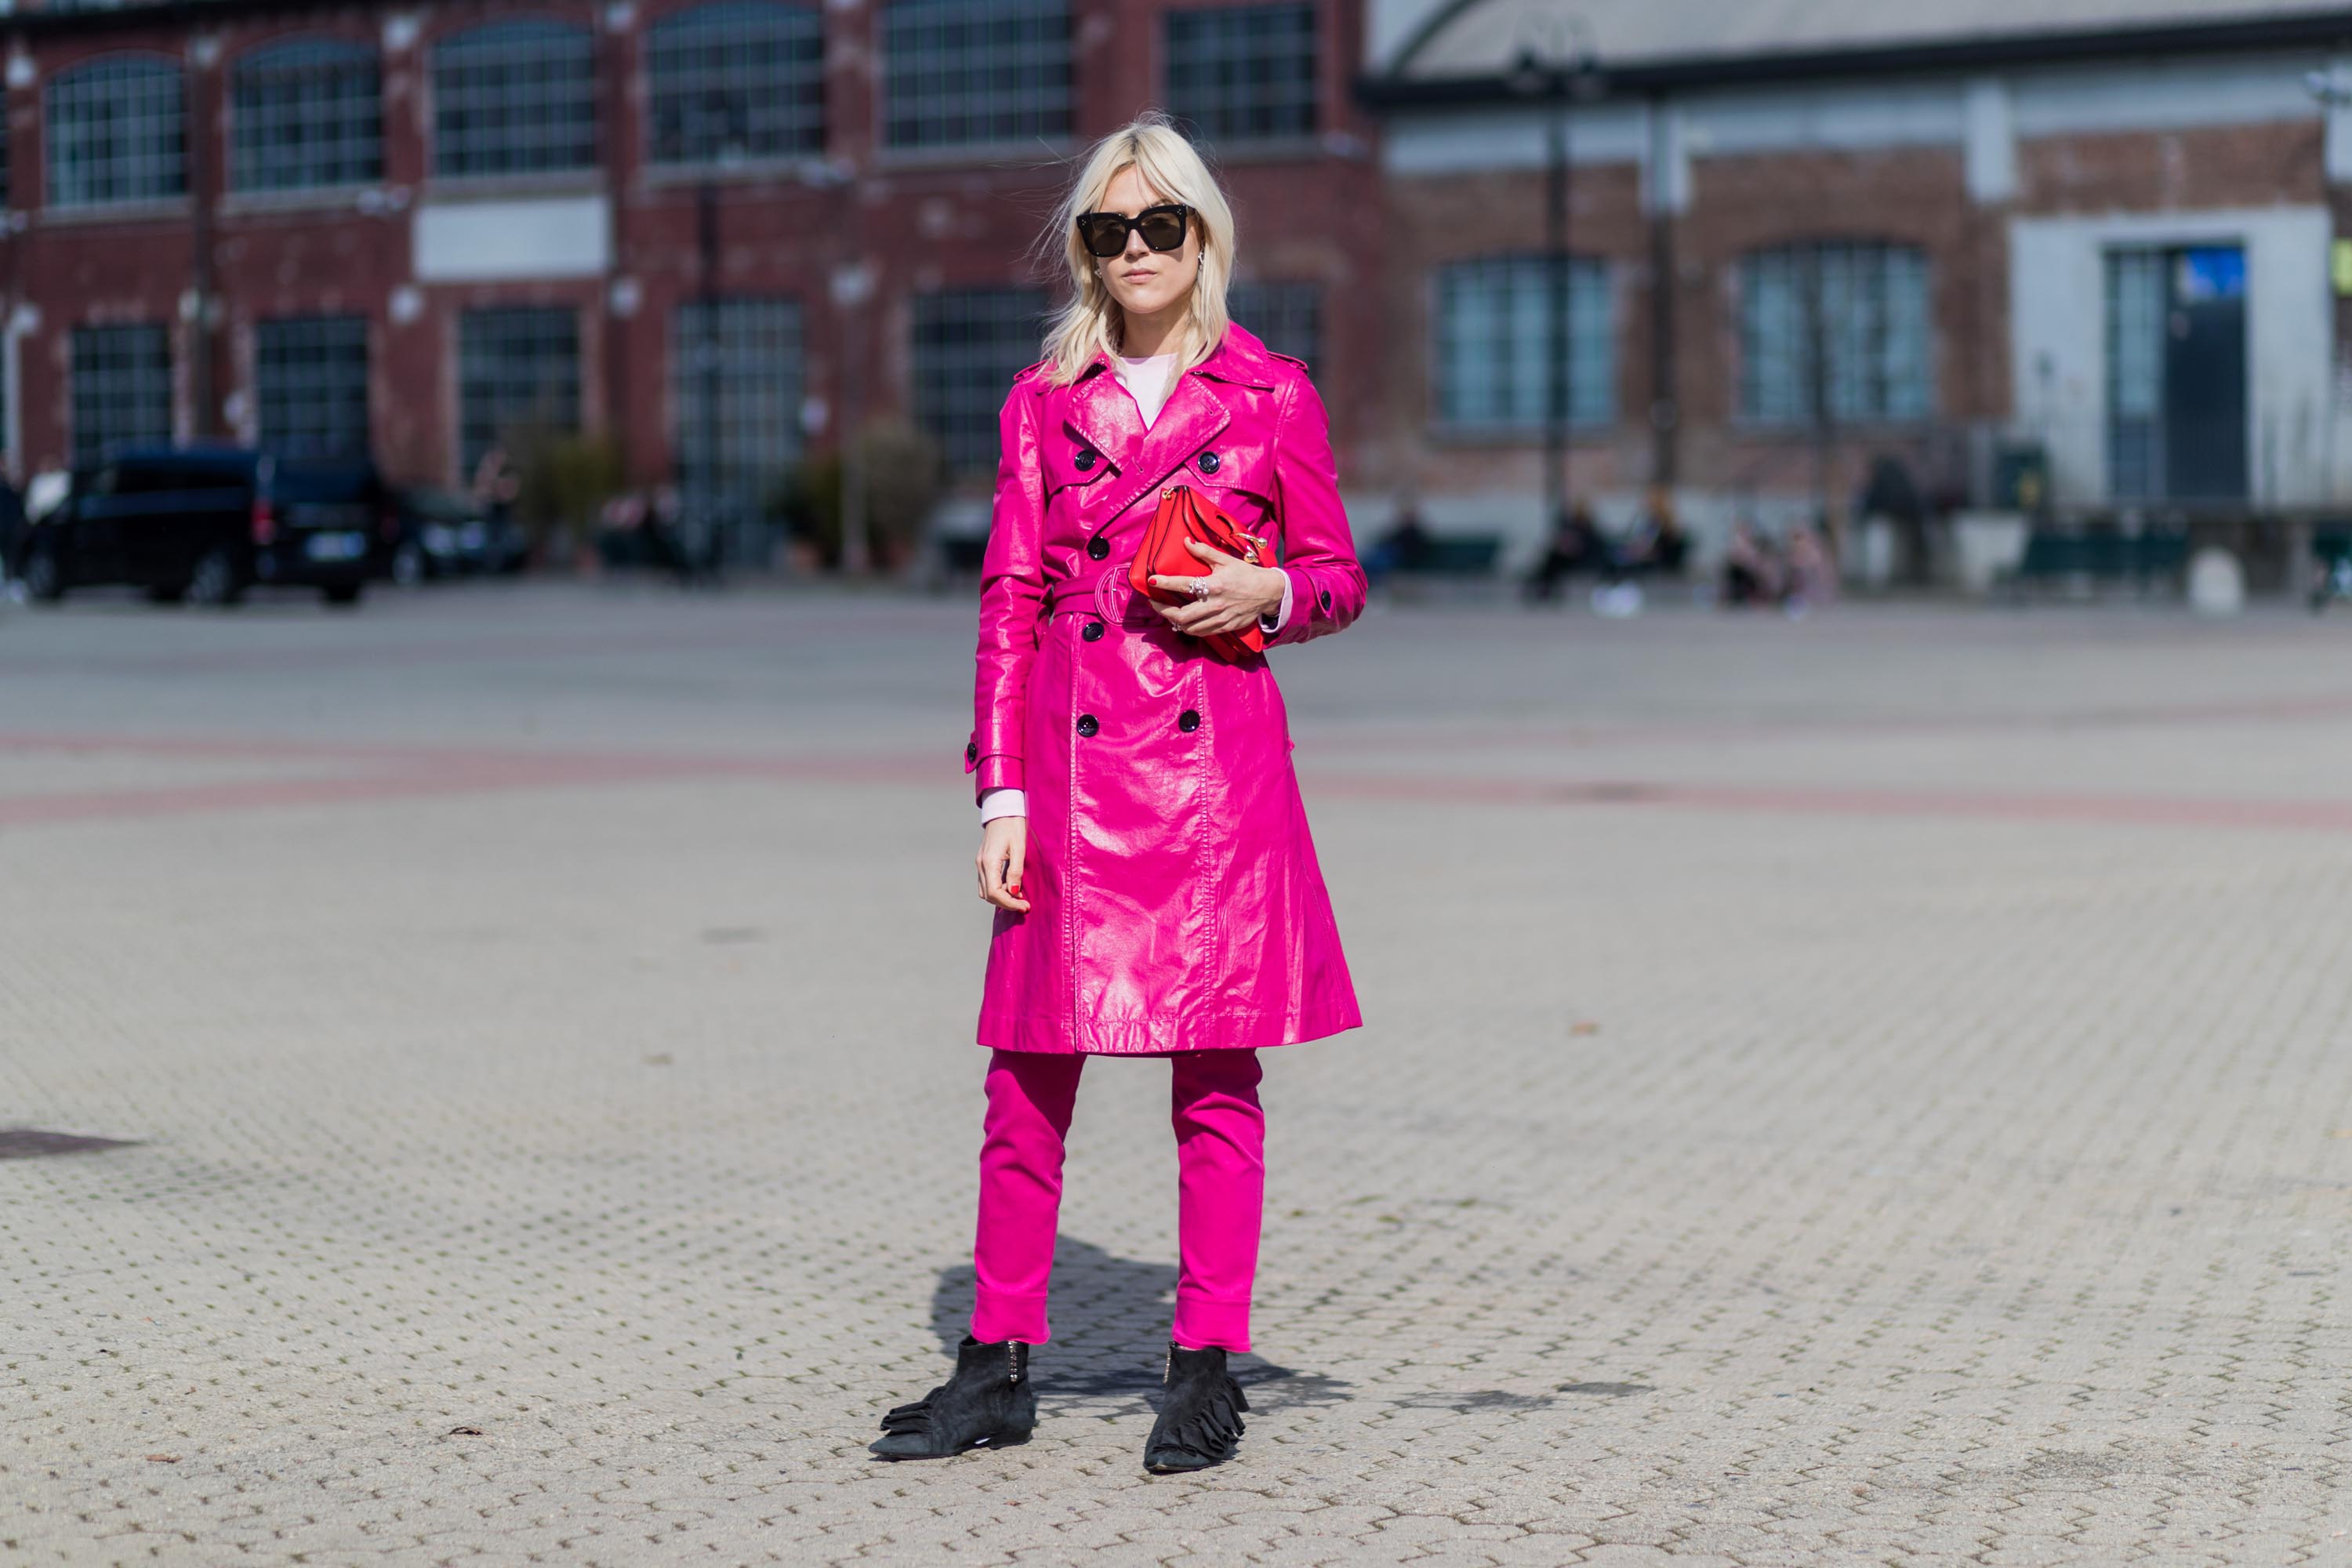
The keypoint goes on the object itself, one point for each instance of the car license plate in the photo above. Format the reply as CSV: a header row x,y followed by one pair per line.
x,y
334,546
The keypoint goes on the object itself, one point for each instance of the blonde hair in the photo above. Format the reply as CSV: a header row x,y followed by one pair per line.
x,y
1091,321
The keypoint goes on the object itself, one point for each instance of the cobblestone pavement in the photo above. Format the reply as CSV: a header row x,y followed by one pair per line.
x,y
1866,1091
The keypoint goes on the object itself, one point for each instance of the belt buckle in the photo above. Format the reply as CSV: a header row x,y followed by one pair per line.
x,y
1113,596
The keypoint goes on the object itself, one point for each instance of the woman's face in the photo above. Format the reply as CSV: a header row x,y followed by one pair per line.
x,y
1143,280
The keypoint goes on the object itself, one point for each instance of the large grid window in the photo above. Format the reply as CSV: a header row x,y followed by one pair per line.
x,y
1243,73
969,345
307,114
1494,335
122,388
310,381
115,131
736,77
518,370
514,98
1835,331
974,72
735,391
1287,316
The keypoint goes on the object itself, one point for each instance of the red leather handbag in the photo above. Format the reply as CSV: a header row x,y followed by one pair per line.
x,y
1185,514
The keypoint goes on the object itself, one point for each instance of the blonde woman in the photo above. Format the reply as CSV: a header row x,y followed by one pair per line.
x,y
1142,839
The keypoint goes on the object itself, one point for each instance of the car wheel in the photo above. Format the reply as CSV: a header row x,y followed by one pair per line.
x,y
213,581
45,580
408,566
345,594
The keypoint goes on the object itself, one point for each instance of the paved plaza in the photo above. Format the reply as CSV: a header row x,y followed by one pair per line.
x,y
1875,1090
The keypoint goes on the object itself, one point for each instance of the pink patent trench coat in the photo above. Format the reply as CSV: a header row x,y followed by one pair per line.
x,y
1174,899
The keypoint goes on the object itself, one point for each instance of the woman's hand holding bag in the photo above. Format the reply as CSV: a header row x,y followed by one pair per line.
x,y
1220,602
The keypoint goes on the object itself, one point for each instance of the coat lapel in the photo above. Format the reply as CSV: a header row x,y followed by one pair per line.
x,y
1141,459
1106,416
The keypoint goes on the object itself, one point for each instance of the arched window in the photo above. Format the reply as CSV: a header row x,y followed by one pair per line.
x,y
514,98
1493,338
116,132
1835,330
1243,73
518,372
967,73
121,377
736,78
306,114
969,344
1287,317
735,395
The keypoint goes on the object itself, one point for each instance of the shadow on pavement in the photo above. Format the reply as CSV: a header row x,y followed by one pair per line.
x,y
1111,1333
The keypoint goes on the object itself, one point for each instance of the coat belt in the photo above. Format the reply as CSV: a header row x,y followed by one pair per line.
x,y
1107,594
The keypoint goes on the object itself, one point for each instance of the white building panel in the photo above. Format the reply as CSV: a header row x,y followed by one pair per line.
x,y
1916,114
2058,341
1457,142
496,241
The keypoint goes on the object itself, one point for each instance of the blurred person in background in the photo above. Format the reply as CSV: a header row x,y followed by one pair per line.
x,y
12,529
1168,902
1752,569
1812,580
1576,546
1656,543
1405,547
497,486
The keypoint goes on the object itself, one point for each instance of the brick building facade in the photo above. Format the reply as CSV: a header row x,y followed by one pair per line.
x,y
414,226
2082,239
723,230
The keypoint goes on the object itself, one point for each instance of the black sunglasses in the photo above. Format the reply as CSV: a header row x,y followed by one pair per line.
x,y
1163,228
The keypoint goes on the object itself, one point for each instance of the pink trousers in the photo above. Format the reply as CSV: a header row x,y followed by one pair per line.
x,y
1220,1191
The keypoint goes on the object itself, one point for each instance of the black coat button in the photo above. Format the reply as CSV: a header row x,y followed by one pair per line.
x,y
1093,632
1326,599
1087,725
1207,462
971,751
1085,460
1097,547
1188,720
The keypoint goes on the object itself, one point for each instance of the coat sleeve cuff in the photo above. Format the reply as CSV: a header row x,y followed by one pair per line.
x,y
996,770
1297,622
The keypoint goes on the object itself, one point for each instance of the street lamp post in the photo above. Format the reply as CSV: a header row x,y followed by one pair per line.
x,y
726,111
1557,76
852,285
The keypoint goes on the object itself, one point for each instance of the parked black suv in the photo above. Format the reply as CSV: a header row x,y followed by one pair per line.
x,y
206,523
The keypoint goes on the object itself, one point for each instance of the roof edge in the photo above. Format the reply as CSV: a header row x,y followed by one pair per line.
x,y
1387,90
162,14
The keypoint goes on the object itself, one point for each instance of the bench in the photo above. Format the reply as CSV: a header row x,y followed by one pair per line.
x,y
963,552
1459,555
2055,556
1442,560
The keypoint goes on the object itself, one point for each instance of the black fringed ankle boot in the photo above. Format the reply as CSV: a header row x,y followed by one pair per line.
x,y
987,1401
1199,1420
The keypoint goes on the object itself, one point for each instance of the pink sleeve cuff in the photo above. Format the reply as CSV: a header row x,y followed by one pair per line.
x,y
1004,802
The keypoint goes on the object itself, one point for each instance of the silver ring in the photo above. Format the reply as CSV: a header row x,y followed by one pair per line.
x,y
1199,589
